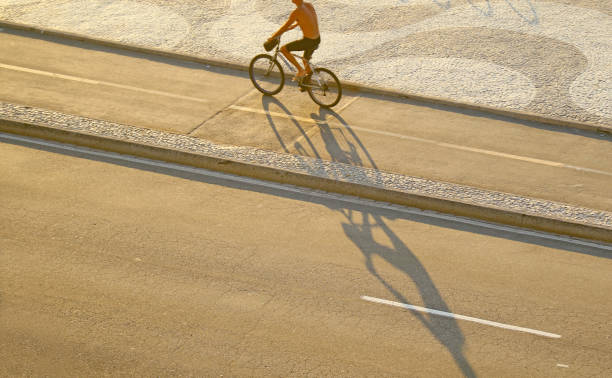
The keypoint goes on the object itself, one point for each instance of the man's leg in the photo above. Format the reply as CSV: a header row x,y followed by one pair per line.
x,y
293,61
308,55
307,68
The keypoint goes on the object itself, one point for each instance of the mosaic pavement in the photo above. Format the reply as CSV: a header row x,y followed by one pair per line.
x,y
548,57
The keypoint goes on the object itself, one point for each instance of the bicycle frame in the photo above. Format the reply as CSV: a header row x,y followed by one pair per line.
x,y
292,68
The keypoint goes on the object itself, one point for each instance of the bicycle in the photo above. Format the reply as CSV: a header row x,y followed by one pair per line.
x,y
268,77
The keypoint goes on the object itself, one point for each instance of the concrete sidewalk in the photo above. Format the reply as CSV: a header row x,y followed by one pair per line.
x,y
548,57
385,148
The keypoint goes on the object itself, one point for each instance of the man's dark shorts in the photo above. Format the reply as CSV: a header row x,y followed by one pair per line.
x,y
305,44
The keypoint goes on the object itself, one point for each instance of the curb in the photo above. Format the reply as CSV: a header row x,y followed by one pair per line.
x,y
392,189
523,116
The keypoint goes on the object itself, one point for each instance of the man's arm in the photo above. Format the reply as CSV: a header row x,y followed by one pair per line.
x,y
286,26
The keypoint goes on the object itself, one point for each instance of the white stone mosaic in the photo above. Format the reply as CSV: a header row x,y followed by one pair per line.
x,y
16,2
126,21
561,50
462,79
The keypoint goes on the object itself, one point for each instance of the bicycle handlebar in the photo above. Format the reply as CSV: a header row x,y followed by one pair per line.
x,y
271,43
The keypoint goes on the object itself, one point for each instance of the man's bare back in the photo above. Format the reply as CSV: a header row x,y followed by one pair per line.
x,y
305,17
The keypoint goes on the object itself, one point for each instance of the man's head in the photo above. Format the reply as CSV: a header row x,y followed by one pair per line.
x,y
297,2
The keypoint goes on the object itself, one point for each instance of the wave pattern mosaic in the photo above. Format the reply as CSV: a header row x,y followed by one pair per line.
x,y
548,57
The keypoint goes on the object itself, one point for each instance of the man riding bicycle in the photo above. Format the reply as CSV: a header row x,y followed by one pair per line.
x,y
305,17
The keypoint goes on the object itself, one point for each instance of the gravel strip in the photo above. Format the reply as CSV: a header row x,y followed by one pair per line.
x,y
310,166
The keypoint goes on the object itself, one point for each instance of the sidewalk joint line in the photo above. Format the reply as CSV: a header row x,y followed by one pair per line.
x,y
248,93
348,103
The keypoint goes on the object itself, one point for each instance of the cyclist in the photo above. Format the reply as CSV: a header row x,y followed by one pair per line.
x,y
305,17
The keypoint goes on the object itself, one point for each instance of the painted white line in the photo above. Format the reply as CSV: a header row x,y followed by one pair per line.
x,y
348,103
274,114
460,317
429,141
309,192
562,365
98,82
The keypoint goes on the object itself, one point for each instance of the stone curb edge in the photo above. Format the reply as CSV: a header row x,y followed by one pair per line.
x,y
304,179
524,116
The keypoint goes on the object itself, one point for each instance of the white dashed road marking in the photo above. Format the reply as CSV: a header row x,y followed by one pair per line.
x,y
461,317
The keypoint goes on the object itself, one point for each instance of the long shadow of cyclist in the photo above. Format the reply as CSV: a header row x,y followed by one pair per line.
x,y
344,146
266,101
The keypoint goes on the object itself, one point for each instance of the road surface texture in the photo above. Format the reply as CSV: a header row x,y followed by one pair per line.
x,y
117,267
547,57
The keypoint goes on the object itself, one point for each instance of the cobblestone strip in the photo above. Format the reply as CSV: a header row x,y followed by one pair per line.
x,y
341,176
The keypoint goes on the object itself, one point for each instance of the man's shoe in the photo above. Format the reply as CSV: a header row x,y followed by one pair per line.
x,y
304,80
298,78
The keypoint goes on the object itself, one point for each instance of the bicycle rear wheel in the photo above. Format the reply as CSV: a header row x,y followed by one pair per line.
x,y
324,88
266,74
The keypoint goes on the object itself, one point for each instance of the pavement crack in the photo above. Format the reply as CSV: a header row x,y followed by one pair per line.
x,y
248,93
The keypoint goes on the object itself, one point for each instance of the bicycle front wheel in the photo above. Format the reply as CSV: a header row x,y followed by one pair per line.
x,y
266,74
324,88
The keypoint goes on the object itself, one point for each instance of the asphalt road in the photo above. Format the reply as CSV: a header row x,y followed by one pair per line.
x,y
119,266
220,105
